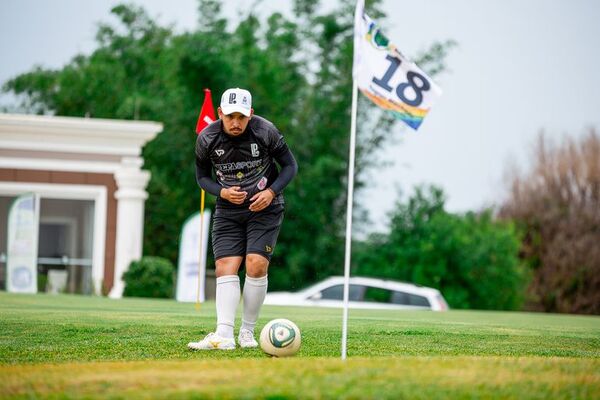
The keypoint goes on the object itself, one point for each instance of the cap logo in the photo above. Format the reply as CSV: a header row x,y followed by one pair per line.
x,y
232,98
245,100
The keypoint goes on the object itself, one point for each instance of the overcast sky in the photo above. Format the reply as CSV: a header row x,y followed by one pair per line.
x,y
521,66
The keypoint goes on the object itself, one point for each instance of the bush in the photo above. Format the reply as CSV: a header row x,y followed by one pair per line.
x,y
149,277
471,258
557,204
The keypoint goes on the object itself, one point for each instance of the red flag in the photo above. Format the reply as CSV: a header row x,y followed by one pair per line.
x,y
207,114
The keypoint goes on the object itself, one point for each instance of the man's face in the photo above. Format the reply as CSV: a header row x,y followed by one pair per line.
x,y
235,123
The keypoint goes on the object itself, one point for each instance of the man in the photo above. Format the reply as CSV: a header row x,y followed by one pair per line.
x,y
241,149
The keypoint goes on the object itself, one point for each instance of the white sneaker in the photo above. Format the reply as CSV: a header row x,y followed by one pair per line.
x,y
212,341
246,339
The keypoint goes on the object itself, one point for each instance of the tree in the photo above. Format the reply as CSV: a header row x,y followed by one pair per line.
x,y
299,71
557,204
472,259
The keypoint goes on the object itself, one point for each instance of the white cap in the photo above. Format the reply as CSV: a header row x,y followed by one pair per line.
x,y
236,100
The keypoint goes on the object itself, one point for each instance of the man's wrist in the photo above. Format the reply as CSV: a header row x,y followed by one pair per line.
x,y
272,192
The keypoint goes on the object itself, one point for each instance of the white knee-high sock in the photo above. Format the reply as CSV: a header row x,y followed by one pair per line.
x,y
255,290
228,298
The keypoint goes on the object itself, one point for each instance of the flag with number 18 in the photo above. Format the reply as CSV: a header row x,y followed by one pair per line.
x,y
385,76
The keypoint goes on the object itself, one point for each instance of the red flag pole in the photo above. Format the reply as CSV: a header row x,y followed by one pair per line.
x,y
200,258
206,117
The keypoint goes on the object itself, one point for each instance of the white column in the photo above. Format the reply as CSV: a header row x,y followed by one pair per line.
x,y
99,238
130,195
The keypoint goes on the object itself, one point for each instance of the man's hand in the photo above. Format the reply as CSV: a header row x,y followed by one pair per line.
x,y
233,195
261,200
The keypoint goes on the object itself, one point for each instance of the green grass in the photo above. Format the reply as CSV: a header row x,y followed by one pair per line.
x,y
74,346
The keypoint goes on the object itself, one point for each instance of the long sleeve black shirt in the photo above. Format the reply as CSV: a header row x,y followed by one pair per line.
x,y
247,160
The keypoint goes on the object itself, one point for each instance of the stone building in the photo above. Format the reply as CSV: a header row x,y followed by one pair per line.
x,y
89,178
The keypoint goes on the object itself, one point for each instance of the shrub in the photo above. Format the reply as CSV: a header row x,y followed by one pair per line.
x,y
149,277
471,258
557,204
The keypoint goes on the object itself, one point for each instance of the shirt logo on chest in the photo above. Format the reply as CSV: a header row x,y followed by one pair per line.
x,y
220,152
254,148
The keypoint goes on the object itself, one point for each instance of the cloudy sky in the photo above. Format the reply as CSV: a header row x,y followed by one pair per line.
x,y
521,66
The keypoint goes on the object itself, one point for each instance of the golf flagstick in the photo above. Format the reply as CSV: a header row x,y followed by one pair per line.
x,y
201,248
373,53
349,207
206,117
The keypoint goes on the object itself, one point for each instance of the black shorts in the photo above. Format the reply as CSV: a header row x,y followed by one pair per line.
x,y
239,231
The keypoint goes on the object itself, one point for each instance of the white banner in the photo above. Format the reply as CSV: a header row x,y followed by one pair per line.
x,y
386,77
22,246
189,258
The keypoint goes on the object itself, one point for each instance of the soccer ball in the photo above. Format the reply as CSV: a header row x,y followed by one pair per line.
x,y
280,338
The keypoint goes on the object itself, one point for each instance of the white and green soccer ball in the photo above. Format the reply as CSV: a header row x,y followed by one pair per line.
x,y
280,338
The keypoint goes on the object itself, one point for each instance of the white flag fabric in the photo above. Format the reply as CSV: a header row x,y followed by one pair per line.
x,y
385,76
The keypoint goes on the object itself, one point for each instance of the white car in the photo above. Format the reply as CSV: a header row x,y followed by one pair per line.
x,y
369,293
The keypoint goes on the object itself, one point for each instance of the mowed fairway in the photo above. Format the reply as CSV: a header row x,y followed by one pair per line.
x,y
73,346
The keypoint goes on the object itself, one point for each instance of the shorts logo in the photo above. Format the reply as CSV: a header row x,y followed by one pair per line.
x,y
220,152
254,148
262,183
268,248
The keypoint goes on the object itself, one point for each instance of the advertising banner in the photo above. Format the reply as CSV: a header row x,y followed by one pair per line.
x,y
190,259
22,246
